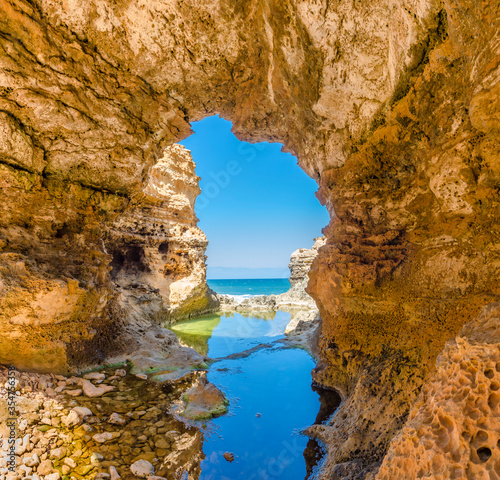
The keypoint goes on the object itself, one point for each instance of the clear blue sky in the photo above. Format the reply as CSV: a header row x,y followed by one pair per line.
x,y
257,205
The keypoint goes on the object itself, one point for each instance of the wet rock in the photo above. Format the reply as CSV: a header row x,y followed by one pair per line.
x,y
101,476
99,377
229,456
142,468
72,420
70,462
82,411
116,419
114,473
92,391
103,437
74,393
204,400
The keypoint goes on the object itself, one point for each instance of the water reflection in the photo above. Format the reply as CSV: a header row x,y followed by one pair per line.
x,y
271,398
315,452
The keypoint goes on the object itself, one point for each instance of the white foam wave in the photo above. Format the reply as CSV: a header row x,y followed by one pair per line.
x,y
240,298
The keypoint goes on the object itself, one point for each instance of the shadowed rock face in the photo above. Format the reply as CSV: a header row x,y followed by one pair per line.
x,y
393,108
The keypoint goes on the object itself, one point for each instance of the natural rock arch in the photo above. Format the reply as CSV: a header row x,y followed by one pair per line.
x,y
392,108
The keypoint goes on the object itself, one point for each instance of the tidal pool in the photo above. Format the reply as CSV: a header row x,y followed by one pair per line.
x,y
270,393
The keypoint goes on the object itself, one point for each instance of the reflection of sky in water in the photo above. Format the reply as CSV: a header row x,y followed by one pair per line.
x,y
277,384
274,382
237,333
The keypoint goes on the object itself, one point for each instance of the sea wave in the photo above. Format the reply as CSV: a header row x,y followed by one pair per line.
x,y
240,298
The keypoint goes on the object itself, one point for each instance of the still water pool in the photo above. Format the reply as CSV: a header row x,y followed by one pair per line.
x,y
270,393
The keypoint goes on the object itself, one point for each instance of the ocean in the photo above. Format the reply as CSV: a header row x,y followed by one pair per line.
x,y
244,288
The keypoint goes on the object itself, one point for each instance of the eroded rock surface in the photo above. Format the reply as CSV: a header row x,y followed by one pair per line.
x,y
392,108
158,251
452,430
300,265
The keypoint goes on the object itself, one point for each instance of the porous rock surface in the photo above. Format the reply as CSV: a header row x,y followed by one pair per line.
x,y
391,106
452,430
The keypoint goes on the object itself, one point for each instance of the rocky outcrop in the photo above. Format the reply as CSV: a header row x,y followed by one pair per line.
x,y
158,252
151,270
300,265
392,108
295,298
452,429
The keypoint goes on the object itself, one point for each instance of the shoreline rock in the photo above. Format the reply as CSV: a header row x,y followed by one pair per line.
x,y
63,437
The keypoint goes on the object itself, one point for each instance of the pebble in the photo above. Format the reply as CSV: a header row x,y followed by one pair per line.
x,y
82,411
74,393
114,473
53,476
31,461
99,377
72,420
116,419
142,468
229,456
102,437
45,467
70,462
58,453
92,391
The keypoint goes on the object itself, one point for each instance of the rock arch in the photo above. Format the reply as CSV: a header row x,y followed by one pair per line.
x,y
391,107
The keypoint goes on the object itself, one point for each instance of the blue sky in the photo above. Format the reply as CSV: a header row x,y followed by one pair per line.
x,y
256,207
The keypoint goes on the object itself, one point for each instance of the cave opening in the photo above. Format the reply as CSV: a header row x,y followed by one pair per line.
x,y
256,205
259,212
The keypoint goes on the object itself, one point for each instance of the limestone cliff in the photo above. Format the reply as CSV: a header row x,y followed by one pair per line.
x,y
300,265
391,106
156,247
151,270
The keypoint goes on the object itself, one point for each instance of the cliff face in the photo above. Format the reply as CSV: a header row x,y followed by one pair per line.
x,y
93,280
158,252
300,265
392,107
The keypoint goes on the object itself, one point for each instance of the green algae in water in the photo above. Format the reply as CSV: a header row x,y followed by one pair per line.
x,y
196,333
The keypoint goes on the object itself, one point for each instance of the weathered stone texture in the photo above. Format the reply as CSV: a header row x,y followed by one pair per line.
x,y
392,107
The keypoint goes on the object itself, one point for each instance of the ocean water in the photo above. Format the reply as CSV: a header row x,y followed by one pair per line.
x,y
250,287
